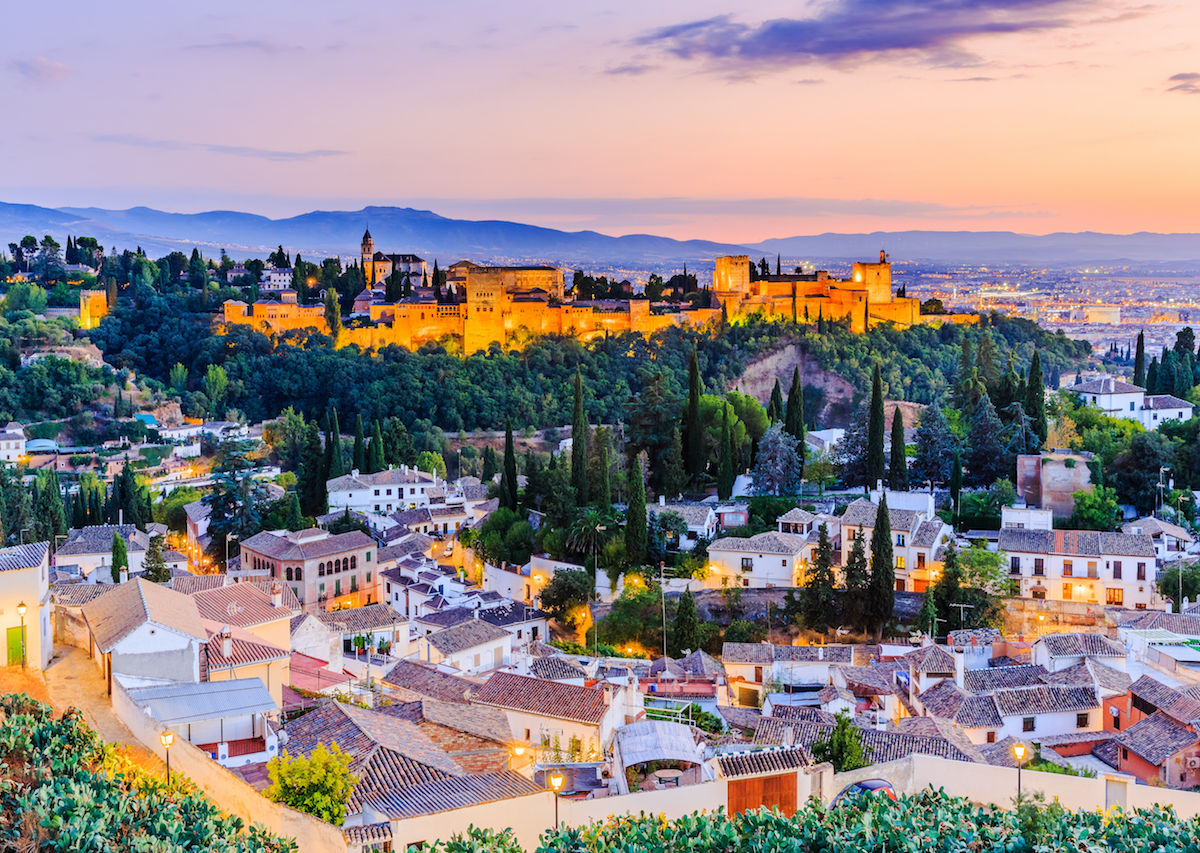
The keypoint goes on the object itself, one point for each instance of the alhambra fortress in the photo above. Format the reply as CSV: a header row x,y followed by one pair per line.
x,y
510,304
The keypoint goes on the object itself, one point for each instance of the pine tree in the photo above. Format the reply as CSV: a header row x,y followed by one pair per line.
x,y
635,515
154,565
858,583
818,585
1035,399
1139,361
898,464
935,446
947,591
293,519
986,460
120,560
685,629
881,597
375,462
875,427
693,429
579,445
775,407
508,484
674,475
360,445
335,466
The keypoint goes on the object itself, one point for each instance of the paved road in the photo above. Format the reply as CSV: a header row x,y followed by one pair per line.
x,y
73,679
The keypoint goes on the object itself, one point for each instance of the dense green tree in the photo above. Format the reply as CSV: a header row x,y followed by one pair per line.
x,y
875,428
579,444
360,445
1035,399
635,515
155,565
508,477
1135,472
777,469
947,590
842,746
693,428
333,314
685,627
857,577
178,378
293,519
986,459
1139,361
49,515
490,466
312,473
565,593
674,475
1096,509
319,784
881,593
1185,341
335,465
216,388
1152,376
775,407
375,462
898,463
120,558
935,447
725,473
818,584
793,421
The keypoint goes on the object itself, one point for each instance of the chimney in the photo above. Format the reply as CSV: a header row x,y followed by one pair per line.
x,y
662,500
276,595
354,473
820,653
226,643
124,574
959,667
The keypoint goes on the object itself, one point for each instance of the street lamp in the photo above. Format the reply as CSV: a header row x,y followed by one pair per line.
x,y
21,608
227,538
556,782
1019,754
167,738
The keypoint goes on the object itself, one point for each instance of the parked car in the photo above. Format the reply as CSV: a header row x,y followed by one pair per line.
x,y
866,788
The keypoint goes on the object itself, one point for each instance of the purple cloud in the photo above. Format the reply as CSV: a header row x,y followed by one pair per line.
x,y
276,155
1187,83
42,70
931,31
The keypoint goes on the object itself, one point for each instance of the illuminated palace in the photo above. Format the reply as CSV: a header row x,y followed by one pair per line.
x,y
509,304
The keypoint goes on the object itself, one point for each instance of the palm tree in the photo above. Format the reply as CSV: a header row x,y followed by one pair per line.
x,y
586,535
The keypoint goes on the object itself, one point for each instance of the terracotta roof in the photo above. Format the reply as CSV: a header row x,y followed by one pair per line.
x,y
1044,699
765,653
862,513
192,584
452,793
770,542
1075,543
98,539
931,659
304,545
1157,737
78,594
240,604
1091,673
556,668
761,761
693,514
1166,401
866,681
1178,704
482,721
1002,677
1179,623
701,664
245,649
114,616
1106,385
426,681
886,745
972,637
20,557
390,477
369,834
466,635
355,620
1152,526
928,533
775,731
1082,645
546,698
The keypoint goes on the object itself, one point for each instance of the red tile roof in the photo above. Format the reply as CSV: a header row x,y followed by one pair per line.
x,y
546,698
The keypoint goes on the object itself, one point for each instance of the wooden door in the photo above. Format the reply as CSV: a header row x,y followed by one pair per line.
x,y
777,792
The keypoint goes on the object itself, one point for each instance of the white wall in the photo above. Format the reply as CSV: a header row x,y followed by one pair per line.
x,y
30,586
153,651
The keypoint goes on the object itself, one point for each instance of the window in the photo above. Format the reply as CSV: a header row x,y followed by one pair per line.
x,y
367,557
337,587
1014,565
1141,571
1116,570
299,573
289,573
377,495
320,570
1082,720
758,674
1066,592
900,563
1039,566
527,734
991,737
899,538
747,564
1027,724
1114,596
1068,568
783,563
354,562
476,660
920,561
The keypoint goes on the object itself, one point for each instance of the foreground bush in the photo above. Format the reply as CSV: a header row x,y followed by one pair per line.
x,y
62,788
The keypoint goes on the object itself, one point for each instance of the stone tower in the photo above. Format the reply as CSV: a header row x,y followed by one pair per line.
x,y
368,255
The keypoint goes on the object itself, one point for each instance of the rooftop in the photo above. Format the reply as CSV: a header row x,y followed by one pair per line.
x,y
545,698
114,616
186,702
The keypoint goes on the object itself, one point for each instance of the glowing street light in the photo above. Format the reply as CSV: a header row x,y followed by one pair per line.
x,y
167,738
1019,754
557,779
21,609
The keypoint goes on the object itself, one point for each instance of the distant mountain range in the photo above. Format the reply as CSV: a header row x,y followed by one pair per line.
x,y
398,229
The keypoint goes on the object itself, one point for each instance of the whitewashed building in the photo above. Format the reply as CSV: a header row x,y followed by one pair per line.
x,y
1122,400
1116,569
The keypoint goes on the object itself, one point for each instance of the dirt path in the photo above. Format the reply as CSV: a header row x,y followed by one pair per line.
x,y
73,679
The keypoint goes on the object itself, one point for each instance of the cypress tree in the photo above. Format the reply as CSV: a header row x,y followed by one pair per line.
x,y
1035,399
875,427
1152,375
793,421
820,320
725,475
360,445
334,465
293,519
898,467
778,262
489,464
579,445
1165,380
674,475
858,582
510,469
956,478
948,589
693,430
818,586
120,558
685,630
1139,361
375,462
604,499
775,406
881,598
635,515
333,313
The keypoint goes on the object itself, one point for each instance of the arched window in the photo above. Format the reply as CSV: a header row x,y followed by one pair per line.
x,y
289,573
338,561
299,573
354,562
321,570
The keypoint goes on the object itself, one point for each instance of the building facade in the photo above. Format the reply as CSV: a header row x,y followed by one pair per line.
x,y
324,571
1114,569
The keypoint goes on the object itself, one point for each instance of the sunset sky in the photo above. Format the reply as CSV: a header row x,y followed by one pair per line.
x,y
725,121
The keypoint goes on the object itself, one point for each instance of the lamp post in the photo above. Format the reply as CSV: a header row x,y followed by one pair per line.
x,y
21,608
227,538
556,782
167,738
1019,754
517,751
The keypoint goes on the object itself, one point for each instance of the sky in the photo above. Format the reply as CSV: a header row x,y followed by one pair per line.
x,y
687,118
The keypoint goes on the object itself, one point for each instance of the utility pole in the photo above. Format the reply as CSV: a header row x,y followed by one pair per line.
x,y
662,590
962,608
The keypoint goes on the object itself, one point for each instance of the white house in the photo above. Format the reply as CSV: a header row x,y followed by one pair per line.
x,y
275,279
1121,400
1116,569
12,442
699,518
1026,518
917,534
25,605
90,548
770,559
546,714
524,583
1170,540
1028,712
1057,652
472,646
753,668
385,492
